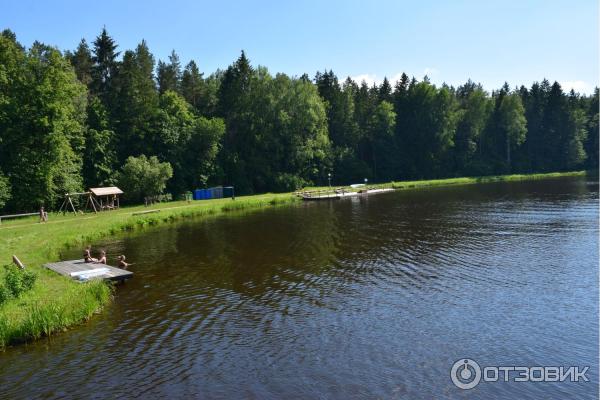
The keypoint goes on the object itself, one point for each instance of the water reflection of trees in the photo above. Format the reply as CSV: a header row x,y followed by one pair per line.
x,y
319,247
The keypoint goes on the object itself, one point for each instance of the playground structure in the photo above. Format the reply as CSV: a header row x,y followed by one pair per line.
x,y
97,199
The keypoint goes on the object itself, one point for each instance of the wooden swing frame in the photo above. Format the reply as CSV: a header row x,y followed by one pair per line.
x,y
68,203
92,201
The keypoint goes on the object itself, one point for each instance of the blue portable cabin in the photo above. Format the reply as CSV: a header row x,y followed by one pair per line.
x,y
200,194
217,192
228,191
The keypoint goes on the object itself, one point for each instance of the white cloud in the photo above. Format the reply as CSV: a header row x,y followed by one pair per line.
x,y
430,71
371,79
395,78
578,86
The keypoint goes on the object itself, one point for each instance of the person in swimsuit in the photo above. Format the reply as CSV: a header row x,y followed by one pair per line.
x,y
122,263
87,255
102,259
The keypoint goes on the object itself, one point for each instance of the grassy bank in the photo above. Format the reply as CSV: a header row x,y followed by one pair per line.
x,y
56,303
461,181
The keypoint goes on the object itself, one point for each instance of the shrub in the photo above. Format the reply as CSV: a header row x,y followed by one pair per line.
x,y
17,280
288,182
4,294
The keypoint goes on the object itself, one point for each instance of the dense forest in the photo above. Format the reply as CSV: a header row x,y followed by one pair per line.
x,y
98,116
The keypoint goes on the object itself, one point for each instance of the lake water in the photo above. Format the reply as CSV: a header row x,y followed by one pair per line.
x,y
359,298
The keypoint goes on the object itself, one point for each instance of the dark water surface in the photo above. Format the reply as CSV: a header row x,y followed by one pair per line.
x,y
351,299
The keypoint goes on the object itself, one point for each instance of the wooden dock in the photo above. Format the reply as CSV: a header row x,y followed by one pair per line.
x,y
82,271
339,194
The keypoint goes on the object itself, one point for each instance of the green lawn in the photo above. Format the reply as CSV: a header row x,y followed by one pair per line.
x,y
56,302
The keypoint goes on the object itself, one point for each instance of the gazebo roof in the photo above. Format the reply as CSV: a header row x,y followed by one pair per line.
x,y
106,191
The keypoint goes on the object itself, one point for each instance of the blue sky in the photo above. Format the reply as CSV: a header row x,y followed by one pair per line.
x,y
518,41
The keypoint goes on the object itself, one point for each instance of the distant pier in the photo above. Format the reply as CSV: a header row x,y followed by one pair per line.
x,y
338,194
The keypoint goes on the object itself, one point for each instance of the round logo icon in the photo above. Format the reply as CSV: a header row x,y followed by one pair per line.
x,y
465,373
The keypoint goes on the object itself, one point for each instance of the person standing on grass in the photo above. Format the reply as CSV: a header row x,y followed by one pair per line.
x,y
43,215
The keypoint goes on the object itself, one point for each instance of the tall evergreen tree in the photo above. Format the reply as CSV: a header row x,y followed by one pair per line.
x,y
534,101
137,103
343,128
192,86
592,142
427,128
169,75
233,95
82,62
105,66
554,123
385,91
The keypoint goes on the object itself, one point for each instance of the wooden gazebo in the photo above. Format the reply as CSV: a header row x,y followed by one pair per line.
x,y
106,198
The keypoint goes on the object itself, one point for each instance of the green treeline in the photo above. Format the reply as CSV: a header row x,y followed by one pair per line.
x,y
95,116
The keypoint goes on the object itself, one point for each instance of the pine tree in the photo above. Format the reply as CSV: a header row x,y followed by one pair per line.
x,y
169,75
592,142
535,104
385,91
575,135
235,85
427,128
233,100
82,62
555,124
344,132
137,103
192,86
105,66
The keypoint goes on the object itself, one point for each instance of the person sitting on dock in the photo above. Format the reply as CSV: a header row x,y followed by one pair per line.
x,y
87,255
102,259
122,263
